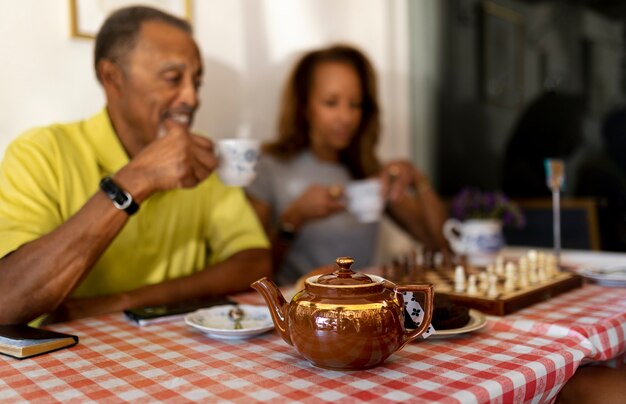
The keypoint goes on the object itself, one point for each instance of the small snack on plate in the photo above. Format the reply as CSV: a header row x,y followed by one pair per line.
x,y
447,315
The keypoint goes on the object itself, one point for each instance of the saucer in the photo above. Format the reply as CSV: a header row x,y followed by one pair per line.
x,y
611,276
215,323
476,322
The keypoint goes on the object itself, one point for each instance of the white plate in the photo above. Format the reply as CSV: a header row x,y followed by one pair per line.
x,y
476,322
611,276
215,323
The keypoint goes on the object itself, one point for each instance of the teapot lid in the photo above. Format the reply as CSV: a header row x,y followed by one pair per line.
x,y
344,275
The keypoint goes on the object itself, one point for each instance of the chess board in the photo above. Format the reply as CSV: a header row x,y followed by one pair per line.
x,y
500,304
505,302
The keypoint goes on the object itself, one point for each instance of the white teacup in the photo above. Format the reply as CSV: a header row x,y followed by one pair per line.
x,y
238,158
480,239
365,199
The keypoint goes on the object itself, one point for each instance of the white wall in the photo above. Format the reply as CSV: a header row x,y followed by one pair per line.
x,y
248,47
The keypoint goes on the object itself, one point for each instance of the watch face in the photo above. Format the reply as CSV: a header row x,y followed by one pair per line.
x,y
121,199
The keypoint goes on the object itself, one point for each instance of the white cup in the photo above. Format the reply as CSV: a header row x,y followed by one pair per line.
x,y
365,199
237,161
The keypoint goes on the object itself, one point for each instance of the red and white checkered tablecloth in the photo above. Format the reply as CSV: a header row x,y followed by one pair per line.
x,y
594,315
118,361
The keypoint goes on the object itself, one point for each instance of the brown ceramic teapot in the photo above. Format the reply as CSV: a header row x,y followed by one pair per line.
x,y
345,320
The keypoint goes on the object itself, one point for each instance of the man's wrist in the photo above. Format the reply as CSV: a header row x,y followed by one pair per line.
x,y
133,182
286,231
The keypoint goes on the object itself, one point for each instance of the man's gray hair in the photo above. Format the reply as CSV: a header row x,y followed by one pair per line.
x,y
118,35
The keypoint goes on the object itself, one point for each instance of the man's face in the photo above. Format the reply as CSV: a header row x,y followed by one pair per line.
x,y
160,82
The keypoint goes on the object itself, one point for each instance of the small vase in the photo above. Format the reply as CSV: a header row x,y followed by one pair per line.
x,y
480,239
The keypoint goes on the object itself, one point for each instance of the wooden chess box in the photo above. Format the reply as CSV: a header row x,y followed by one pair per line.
x,y
505,302
499,299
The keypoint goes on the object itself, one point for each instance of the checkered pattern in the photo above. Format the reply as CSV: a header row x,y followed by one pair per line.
x,y
594,315
526,357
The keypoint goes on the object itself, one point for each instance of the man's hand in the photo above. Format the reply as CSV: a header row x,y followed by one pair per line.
x,y
73,309
178,159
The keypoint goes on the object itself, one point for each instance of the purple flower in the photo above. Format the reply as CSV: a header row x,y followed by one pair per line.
x,y
472,203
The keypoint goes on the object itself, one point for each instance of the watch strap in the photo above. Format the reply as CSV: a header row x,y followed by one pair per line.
x,y
121,199
286,231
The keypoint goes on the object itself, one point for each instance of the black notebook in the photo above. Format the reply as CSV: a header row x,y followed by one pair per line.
x,y
22,341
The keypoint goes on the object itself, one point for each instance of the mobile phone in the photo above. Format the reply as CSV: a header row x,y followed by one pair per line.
x,y
167,312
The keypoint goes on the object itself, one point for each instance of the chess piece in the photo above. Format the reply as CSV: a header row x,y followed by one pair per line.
x,y
406,268
415,268
532,275
463,260
523,273
541,275
429,259
472,290
491,270
500,265
459,279
484,282
553,269
541,260
510,279
492,292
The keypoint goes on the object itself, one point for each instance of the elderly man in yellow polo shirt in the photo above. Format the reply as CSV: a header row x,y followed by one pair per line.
x,y
123,209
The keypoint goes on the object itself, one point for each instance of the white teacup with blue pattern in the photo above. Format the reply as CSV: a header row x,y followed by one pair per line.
x,y
238,158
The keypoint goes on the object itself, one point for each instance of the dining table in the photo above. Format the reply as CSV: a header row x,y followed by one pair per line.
x,y
526,356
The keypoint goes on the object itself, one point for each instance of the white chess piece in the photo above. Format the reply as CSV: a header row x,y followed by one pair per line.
x,y
553,270
510,280
483,277
523,262
532,275
541,275
500,265
523,273
471,285
541,260
459,279
492,292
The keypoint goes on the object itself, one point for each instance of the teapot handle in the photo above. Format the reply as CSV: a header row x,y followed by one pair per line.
x,y
428,291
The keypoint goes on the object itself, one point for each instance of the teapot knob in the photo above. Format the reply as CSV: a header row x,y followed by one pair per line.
x,y
344,264
344,275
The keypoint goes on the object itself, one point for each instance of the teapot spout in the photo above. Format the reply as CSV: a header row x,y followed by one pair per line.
x,y
277,304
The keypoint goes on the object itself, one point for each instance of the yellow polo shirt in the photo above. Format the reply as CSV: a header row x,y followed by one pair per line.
x,y
49,173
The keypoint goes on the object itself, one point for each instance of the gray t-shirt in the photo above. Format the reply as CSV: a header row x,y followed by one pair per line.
x,y
320,242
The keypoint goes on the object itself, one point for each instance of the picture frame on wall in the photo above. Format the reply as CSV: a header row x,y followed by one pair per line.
x,y
86,16
502,45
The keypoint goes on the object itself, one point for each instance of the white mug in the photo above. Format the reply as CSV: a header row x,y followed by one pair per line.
x,y
237,161
480,239
365,199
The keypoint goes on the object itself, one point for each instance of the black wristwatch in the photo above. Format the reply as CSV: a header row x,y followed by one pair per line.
x,y
121,199
286,231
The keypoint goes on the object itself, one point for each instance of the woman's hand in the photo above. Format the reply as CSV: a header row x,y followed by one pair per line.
x,y
315,203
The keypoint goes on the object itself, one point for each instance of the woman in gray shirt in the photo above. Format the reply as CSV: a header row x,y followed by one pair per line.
x,y
328,130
